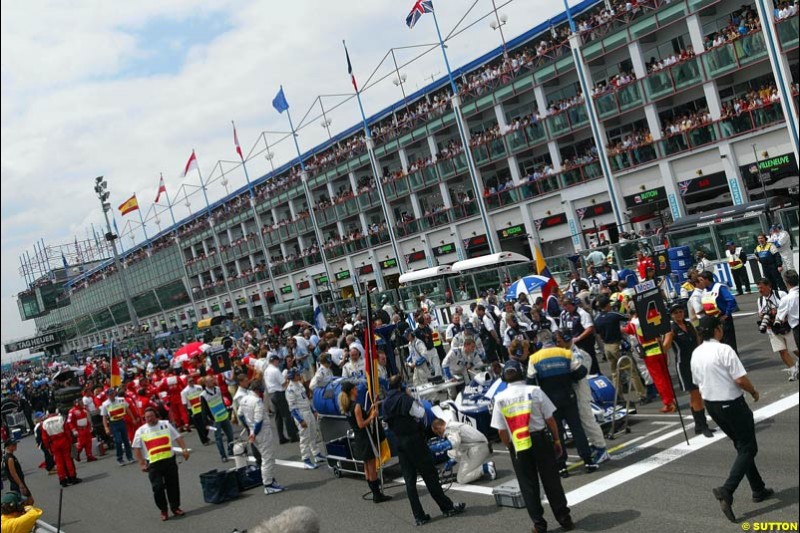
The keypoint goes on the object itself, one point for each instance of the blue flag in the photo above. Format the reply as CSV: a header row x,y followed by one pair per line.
x,y
279,102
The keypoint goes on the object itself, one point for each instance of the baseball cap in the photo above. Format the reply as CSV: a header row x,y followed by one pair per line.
x,y
512,365
11,498
729,243
274,357
9,442
675,307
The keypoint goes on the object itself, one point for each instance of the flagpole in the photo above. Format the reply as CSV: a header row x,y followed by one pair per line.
x,y
373,160
169,204
141,218
212,223
259,225
121,244
304,179
491,236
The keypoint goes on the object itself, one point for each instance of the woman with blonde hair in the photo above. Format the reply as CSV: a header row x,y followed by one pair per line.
x,y
362,447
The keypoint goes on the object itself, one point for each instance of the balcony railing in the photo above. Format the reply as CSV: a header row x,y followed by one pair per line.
x,y
672,79
531,135
788,31
734,55
452,165
488,152
543,185
567,121
396,188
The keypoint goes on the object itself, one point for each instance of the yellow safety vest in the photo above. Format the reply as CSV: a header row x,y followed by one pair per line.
x,y
733,259
649,346
518,417
116,411
158,445
217,408
195,403
709,301
437,340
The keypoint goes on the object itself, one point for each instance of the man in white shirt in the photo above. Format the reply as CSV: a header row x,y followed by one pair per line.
x,y
275,385
788,308
781,341
721,378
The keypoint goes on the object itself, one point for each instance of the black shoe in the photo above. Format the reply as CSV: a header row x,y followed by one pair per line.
x,y
294,439
74,480
567,524
563,472
380,498
458,508
283,441
644,400
64,483
725,502
591,467
705,431
424,519
763,494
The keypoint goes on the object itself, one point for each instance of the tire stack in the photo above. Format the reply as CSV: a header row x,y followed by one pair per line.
x,y
65,397
680,262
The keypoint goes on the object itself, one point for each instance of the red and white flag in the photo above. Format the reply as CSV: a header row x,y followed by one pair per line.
x,y
236,142
191,164
161,188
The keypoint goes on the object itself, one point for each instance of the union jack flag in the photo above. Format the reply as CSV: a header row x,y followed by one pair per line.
x,y
684,186
419,9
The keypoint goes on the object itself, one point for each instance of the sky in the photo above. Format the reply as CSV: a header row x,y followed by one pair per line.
x,y
127,90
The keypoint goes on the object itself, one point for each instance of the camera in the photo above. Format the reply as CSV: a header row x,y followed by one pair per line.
x,y
765,323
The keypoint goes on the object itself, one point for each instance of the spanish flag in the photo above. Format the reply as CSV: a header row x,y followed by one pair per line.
x,y
131,204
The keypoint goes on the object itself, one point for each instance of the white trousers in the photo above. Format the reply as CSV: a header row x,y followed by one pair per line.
x,y
470,462
309,440
590,426
266,447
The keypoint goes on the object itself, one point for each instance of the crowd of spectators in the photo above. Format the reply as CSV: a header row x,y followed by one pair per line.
x,y
655,65
686,122
613,83
742,22
784,10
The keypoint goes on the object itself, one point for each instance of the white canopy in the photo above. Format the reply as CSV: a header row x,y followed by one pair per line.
x,y
488,261
425,273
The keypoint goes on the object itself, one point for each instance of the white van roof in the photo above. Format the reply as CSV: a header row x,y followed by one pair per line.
x,y
488,260
425,273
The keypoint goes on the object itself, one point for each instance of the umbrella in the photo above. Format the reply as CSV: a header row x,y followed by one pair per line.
x,y
185,353
295,323
526,285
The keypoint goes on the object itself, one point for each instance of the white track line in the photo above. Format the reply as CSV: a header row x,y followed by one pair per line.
x,y
667,456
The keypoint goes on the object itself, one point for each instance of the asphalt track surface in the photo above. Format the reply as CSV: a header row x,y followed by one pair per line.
x,y
654,482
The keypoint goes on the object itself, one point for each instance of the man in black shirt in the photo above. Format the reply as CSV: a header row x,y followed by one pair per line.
x,y
402,413
608,325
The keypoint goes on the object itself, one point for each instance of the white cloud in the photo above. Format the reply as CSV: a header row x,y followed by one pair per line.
x,y
68,116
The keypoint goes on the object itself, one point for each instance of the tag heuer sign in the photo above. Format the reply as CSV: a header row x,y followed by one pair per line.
x,y
389,263
33,343
321,280
449,248
343,275
286,289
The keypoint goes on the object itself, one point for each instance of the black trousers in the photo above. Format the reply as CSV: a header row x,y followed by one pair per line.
x,y
796,333
587,345
283,418
740,279
735,419
772,274
539,463
569,413
415,459
729,334
163,476
199,422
